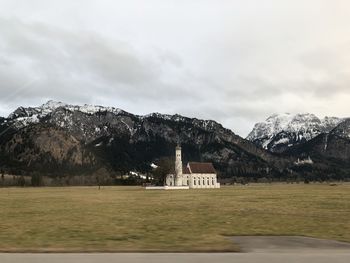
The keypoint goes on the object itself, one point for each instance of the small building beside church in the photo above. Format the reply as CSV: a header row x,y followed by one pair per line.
x,y
193,175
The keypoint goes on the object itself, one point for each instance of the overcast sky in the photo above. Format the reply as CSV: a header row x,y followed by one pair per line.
x,y
236,62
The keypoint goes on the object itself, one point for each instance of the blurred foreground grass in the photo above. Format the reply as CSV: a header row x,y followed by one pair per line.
x,y
74,219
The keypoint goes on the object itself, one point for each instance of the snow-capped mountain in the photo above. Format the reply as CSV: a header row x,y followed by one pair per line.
x,y
89,122
25,116
57,133
281,131
326,148
342,130
57,138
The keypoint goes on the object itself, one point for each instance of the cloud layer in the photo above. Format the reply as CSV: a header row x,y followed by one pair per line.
x,y
236,62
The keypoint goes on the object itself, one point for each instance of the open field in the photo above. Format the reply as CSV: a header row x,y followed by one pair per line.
x,y
132,219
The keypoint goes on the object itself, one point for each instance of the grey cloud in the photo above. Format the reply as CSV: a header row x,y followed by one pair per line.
x,y
235,61
329,70
74,66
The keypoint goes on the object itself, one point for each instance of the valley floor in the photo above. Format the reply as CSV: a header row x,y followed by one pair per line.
x,y
129,219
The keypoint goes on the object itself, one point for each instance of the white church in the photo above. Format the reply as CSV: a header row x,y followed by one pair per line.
x,y
194,175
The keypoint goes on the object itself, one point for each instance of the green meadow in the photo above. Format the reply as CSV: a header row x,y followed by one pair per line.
x,y
122,219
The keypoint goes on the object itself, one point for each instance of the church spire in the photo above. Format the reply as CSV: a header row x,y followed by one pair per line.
x,y
178,165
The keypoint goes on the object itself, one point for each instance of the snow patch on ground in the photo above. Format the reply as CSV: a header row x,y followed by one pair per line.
x,y
154,166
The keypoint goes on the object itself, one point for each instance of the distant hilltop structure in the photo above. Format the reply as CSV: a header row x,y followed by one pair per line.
x,y
304,161
194,175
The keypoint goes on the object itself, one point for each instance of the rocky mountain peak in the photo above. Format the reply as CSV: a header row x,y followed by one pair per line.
x,y
280,131
342,130
90,121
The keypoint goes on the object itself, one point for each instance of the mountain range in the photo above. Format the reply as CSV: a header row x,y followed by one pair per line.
x,y
282,131
321,146
58,139
62,138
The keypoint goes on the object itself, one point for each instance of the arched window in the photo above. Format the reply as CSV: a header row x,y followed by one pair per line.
x,y
194,181
203,181
199,181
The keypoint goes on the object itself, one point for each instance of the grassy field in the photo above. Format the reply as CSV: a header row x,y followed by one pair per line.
x,y
132,219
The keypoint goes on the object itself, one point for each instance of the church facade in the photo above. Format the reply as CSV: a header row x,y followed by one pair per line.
x,y
193,175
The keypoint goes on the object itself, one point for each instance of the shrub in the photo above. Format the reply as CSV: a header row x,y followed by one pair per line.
x,y
37,179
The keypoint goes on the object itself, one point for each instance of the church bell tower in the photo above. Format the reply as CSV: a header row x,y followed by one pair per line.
x,y
178,166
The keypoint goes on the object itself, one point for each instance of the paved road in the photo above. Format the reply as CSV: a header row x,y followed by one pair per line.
x,y
314,257
286,249
289,244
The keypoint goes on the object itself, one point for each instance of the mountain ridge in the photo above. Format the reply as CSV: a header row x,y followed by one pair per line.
x,y
281,131
22,116
57,138
124,141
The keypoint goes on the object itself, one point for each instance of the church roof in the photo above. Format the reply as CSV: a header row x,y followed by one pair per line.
x,y
201,168
185,170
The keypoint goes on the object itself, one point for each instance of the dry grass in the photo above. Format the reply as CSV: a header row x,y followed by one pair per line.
x,y
132,219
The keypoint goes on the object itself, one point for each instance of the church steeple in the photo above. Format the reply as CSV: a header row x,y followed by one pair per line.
x,y
178,165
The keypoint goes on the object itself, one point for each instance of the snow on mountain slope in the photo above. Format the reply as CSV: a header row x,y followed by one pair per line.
x,y
86,122
342,130
89,122
281,131
25,116
29,115
124,141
